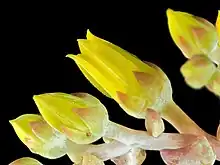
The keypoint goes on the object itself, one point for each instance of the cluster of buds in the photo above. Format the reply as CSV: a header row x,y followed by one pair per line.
x,y
198,39
68,124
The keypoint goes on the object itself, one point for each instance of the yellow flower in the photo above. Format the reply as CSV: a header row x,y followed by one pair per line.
x,y
119,74
39,137
80,116
198,71
25,161
193,35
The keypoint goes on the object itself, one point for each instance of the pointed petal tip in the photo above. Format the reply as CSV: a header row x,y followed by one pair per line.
x,y
169,12
12,122
72,56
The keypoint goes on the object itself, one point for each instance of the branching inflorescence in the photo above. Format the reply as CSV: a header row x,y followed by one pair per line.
x,y
70,123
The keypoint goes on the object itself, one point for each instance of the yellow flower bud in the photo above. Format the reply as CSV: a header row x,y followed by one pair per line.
x,y
197,71
119,74
39,137
25,161
80,116
193,35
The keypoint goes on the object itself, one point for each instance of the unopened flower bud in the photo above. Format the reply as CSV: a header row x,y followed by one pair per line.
x,y
39,137
80,116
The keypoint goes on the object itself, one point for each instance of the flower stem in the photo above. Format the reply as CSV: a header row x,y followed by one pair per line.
x,y
103,151
180,120
141,139
184,124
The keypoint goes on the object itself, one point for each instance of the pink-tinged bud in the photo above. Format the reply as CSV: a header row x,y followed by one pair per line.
x,y
154,123
197,71
192,34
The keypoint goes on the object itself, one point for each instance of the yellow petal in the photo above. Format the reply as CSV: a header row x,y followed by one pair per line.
x,y
192,34
140,66
218,25
92,80
25,161
56,108
99,74
111,62
23,129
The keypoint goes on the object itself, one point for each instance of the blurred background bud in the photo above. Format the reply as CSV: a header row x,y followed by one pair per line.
x,y
25,161
192,34
80,116
39,137
197,71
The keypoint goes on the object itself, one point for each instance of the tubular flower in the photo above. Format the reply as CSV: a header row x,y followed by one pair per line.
x,y
120,75
193,35
25,161
80,116
39,137
198,71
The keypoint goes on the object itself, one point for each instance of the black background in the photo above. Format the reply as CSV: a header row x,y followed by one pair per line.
x,y
36,38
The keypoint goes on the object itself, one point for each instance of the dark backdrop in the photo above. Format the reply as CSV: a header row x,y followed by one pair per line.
x,y
38,36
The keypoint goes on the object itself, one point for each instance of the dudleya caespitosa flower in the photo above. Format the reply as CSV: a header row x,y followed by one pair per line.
x,y
39,137
79,116
118,74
